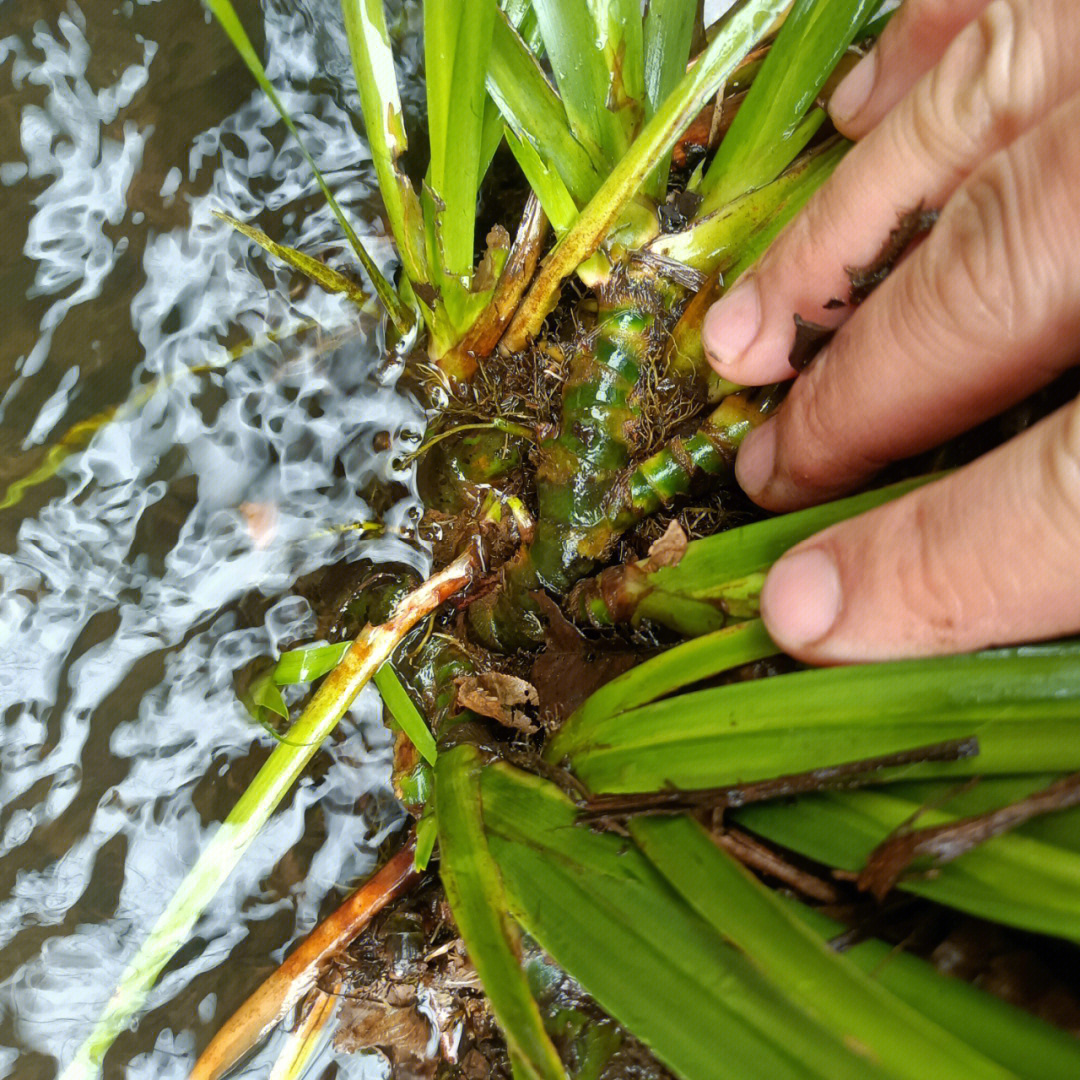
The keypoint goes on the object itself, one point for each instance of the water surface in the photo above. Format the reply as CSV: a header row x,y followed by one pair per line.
x,y
156,563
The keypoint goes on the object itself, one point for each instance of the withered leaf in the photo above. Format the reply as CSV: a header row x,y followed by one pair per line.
x,y
670,548
499,697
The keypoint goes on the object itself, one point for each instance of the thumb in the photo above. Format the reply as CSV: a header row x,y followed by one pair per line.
x,y
986,556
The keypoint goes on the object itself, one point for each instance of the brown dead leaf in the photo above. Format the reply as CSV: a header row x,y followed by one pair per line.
x,y
499,696
670,548
401,1032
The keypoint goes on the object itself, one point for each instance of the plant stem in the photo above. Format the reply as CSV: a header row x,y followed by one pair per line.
x,y
288,984
368,652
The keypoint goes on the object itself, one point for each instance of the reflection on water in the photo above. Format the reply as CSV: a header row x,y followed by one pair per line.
x,y
129,579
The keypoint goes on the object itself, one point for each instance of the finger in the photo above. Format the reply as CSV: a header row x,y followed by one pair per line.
x,y
983,312
986,556
912,43
1000,75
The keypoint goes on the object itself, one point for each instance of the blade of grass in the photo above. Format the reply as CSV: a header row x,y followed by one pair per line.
x,y
457,39
405,713
1028,1046
590,899
771,126
668,32
475,891
235,835
713,562
327,278
225,14
1021,704
1017,879
740,32
756,921
545,183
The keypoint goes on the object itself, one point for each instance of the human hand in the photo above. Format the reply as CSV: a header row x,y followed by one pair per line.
x,y
974,107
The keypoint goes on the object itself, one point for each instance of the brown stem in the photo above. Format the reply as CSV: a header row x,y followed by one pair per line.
x,y
943,843
603,811
286,986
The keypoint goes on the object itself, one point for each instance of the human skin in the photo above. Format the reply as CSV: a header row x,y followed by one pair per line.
x,y
973,107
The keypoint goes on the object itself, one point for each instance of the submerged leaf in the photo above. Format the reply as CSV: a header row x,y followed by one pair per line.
x,y
324,276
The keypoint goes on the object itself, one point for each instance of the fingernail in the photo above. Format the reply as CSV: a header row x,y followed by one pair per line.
x,y
757,459
732,323
854,92
801,598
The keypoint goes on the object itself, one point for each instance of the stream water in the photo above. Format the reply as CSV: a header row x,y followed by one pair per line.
x,y
157,562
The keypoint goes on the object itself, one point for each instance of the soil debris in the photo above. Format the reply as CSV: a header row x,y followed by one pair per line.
x,y
912,225
572,666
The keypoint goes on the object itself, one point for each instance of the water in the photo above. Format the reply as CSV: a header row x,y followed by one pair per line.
x,y
134,584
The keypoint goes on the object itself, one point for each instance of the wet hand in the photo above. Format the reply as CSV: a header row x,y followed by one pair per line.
x,y
974,107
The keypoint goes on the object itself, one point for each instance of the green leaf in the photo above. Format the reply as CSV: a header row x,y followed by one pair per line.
x,y
669,32
254,807
713,562
373,65
605,915
740,32
475,891
772,124
405,713
546,183
575,48
717,240
533,111
1022,704
756,921
1019,879
1030,1047
225,14
304,665
324,276
457,39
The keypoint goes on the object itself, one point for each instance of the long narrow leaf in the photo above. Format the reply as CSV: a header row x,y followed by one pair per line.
x,y
1030,1047
770,127
597,906
829,986
673,669
669,32
574,46
254,807
1023,705
1017,879
225,13
533,111
457,39
475,891
326,277
373,65
405,713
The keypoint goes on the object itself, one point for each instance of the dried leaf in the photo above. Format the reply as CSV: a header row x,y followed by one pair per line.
x,y
498,697
670,548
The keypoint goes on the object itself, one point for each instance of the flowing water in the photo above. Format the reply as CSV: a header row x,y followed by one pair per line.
x,y
156,563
